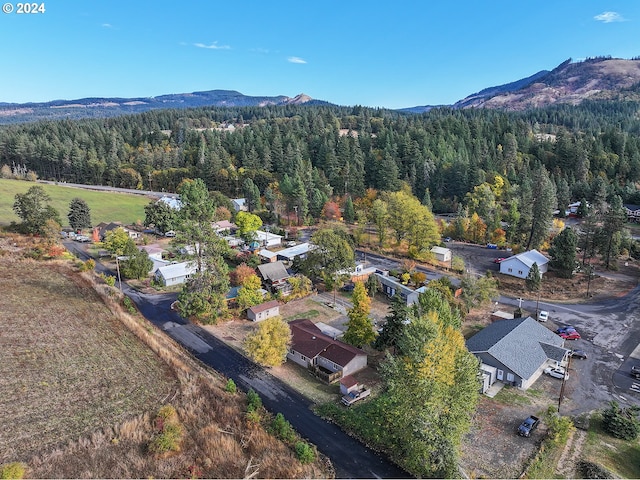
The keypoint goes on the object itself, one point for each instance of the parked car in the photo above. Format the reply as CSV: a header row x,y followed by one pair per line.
x,y
570,335
543,316
579,354
492,246
498,260
170,233
348,287
568,328
447,239
635,371
556,372
528,426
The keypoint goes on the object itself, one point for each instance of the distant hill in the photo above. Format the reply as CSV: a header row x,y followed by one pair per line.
x,y
110,107
569,83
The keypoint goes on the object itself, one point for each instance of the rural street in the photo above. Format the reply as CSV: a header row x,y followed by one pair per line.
x,y
350,458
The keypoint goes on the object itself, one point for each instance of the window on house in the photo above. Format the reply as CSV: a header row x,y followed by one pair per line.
x,y
519,272
304,359
510,270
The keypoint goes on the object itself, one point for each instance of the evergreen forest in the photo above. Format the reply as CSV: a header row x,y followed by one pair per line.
x,y
493,163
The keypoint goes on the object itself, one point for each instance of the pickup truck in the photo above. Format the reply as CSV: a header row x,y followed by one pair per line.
x,y
528,426
352,397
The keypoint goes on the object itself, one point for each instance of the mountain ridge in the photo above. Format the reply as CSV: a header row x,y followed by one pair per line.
x,y
568,83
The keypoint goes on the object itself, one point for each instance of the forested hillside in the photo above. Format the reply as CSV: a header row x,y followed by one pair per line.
x,y
302,156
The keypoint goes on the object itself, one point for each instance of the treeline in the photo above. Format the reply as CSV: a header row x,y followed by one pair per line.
x,y
325,151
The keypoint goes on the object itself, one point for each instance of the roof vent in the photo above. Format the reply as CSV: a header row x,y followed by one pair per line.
x,y
313,338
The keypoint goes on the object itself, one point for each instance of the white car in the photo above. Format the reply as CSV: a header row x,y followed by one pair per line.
x,y
543,316
557,372
170,233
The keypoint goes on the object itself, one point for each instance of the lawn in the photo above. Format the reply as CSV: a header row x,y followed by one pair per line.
x,y
105,206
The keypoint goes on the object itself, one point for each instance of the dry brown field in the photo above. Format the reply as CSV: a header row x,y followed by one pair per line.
x,y
81,383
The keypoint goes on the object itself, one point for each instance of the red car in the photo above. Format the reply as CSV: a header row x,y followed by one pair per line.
x,y
570,335
498,260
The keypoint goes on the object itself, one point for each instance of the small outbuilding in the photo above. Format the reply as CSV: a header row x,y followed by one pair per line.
x,y
442,254
263,311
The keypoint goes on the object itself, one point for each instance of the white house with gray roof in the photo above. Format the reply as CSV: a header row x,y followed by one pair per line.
x,y
518,349
519,265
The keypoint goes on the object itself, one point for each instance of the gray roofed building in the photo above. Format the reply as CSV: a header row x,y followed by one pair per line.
x,y
519,349
519,265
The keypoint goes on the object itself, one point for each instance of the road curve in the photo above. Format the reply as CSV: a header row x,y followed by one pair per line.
x,y
350,458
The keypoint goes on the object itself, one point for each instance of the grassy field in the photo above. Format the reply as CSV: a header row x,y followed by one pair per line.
x,y
81,383
105,206
68,366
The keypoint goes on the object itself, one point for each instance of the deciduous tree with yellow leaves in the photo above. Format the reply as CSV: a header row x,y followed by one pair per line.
x,y
432,389
268,344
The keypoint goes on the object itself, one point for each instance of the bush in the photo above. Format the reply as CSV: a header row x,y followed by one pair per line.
x,y
592,470
282,429
108,279
304,452
559,427
254,402
13,470
168,440
128,304
231,386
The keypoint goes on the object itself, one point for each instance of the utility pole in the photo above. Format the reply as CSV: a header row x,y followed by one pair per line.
x,y
564,379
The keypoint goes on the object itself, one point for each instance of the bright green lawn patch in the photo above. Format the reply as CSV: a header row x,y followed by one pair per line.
x,y
105,206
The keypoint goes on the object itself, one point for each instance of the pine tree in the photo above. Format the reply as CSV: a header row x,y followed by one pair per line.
x,y
79,214
359,327
563,252
349,211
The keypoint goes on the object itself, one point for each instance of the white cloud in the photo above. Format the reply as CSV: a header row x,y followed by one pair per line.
x,y
609,17
296,60
107,25
213,46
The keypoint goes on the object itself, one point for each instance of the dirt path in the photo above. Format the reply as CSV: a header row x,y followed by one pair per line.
x,y
573,449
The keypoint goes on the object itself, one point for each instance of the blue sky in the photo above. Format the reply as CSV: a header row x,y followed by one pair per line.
x,y
374,53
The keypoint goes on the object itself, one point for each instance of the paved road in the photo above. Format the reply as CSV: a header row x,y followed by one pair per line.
x,y
350,458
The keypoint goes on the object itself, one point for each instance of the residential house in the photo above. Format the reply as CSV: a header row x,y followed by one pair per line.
x,y
519,265
268,239
516,351
155,255
263,311
240,204
391,287
360,273
175,273
633,212
297,251
443,255
328,358
173,202
224,226
274,276
104,228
